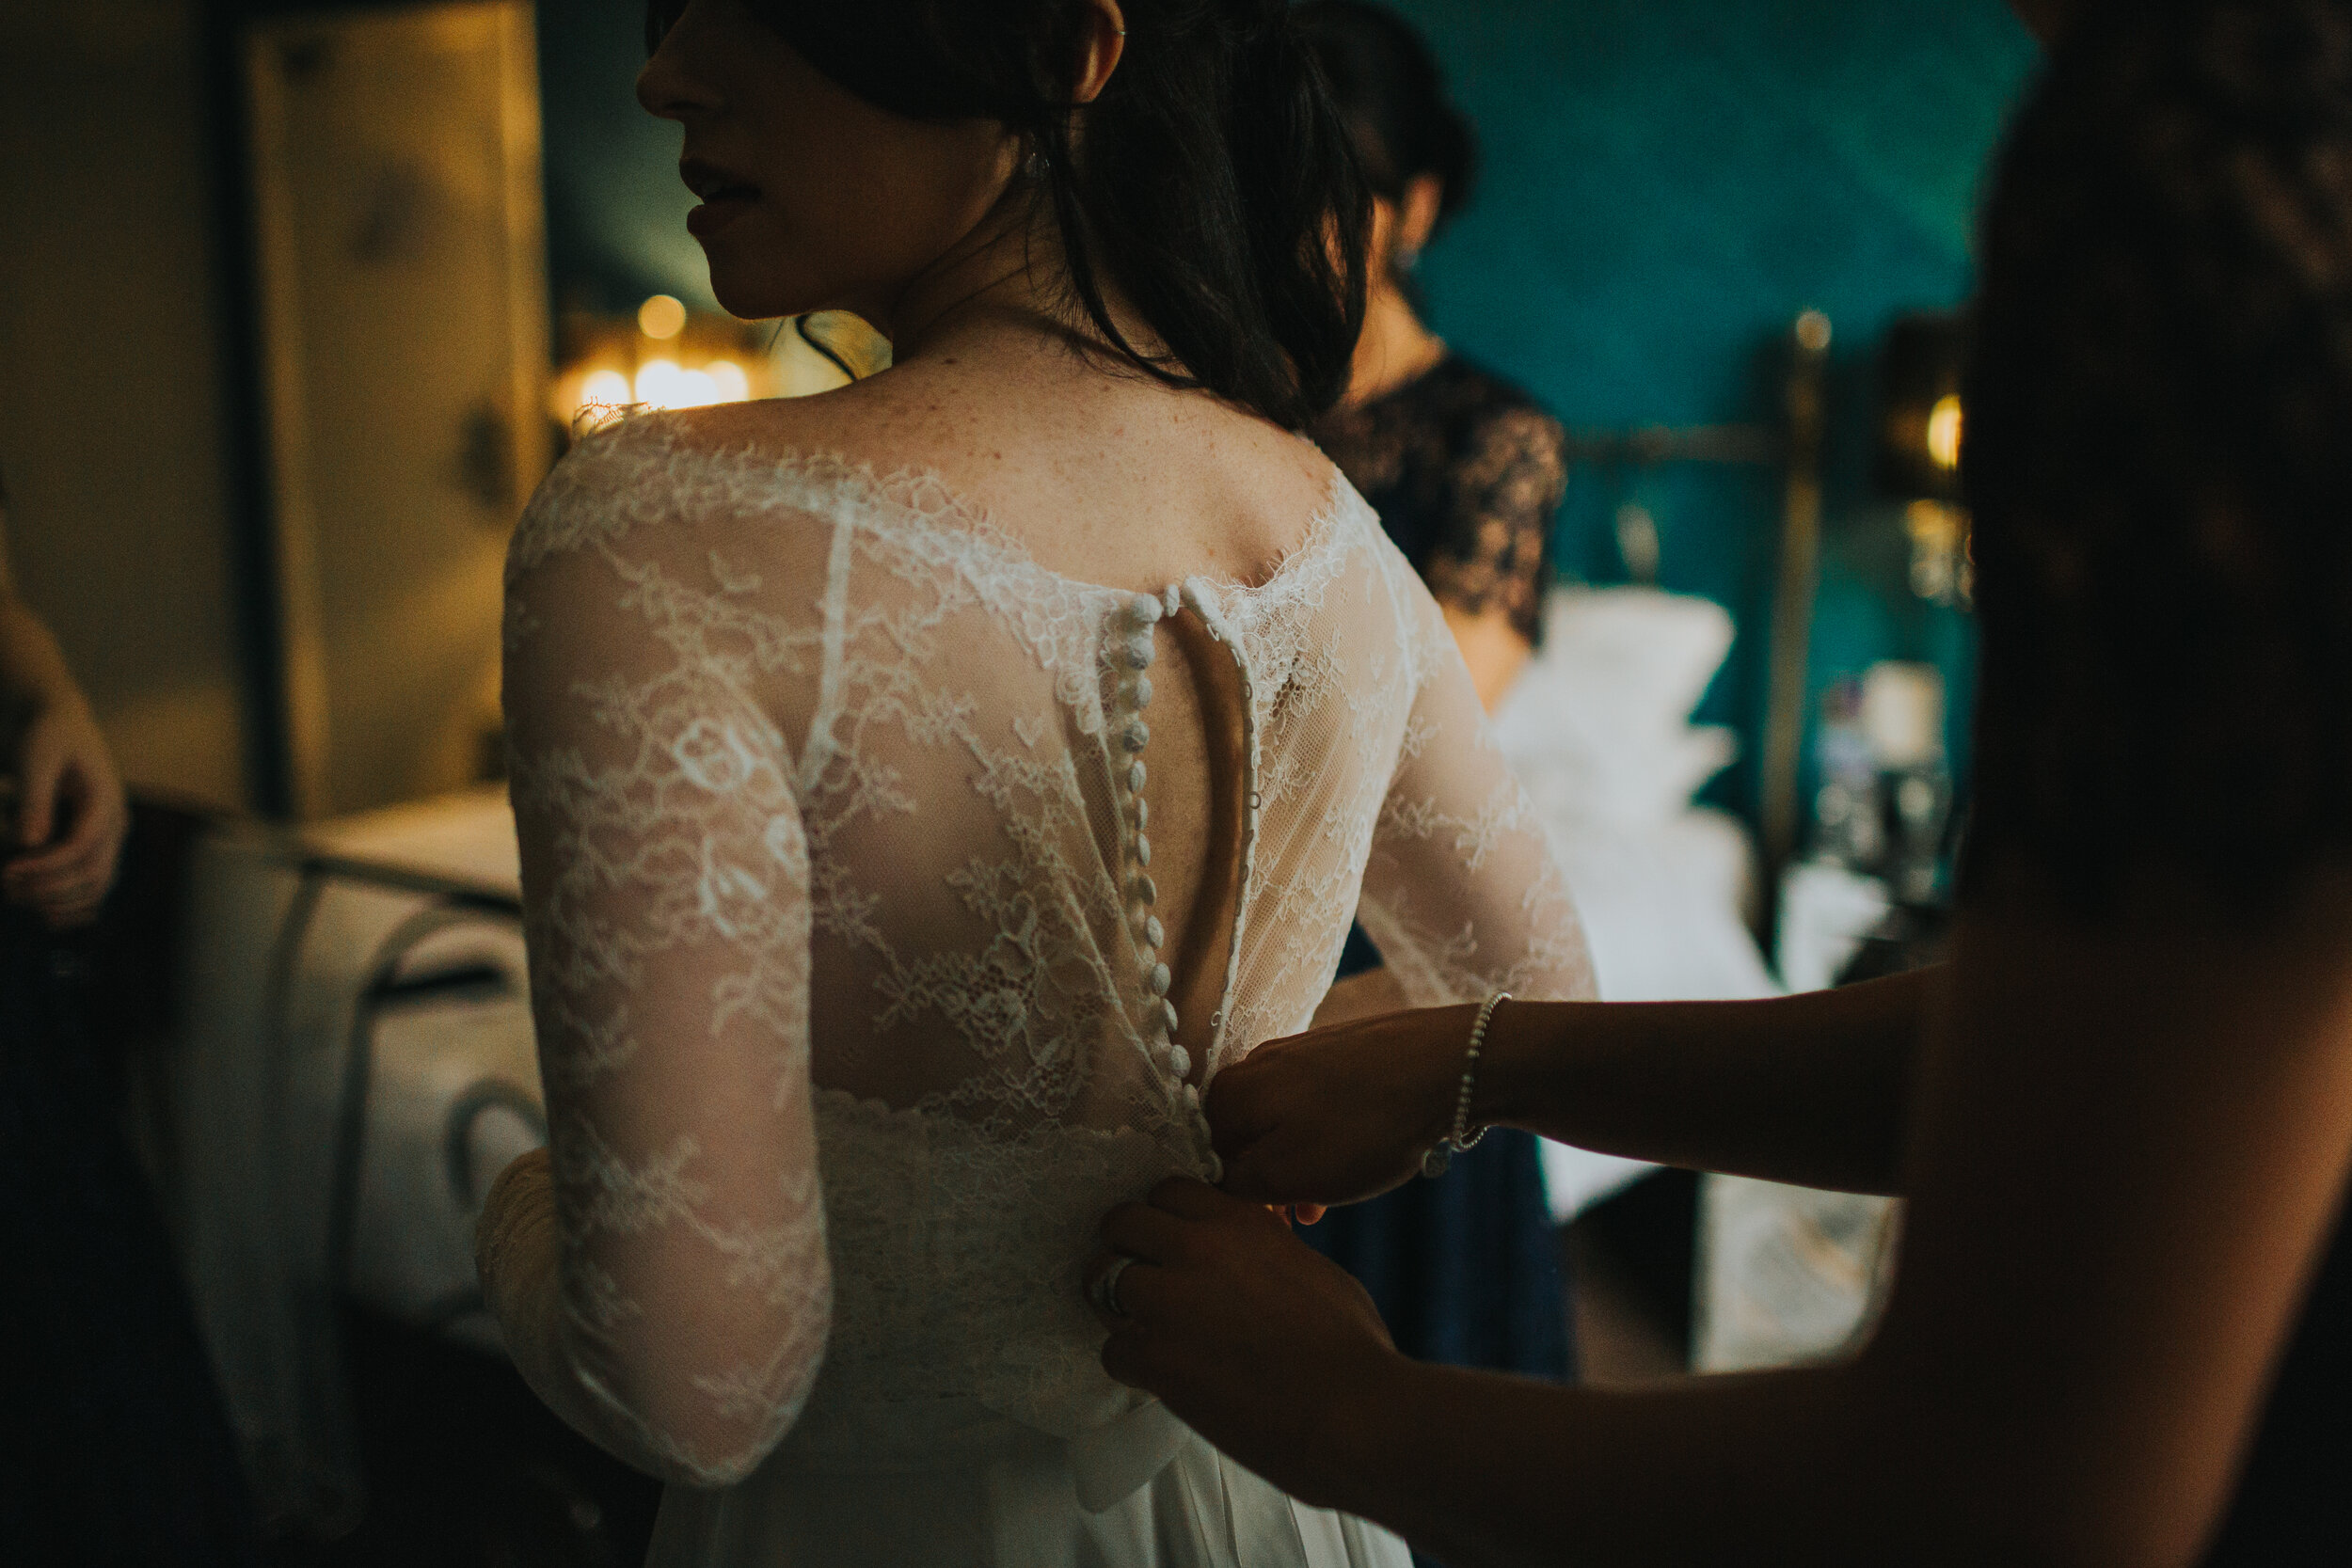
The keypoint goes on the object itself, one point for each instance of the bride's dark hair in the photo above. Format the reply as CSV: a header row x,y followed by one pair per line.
x,y
1213,180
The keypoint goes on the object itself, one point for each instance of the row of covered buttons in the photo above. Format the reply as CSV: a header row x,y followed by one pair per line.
x,y
1133,655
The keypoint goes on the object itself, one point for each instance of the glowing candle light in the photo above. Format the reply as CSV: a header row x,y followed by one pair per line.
x,y
728,380
604,389
1944,430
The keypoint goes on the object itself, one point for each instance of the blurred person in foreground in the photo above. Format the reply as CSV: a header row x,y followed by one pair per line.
x,y
2122,1116
114,1448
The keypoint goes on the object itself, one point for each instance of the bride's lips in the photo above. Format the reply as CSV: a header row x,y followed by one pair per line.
x,y
726,197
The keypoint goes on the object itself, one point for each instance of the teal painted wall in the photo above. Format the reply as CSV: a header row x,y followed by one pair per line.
x,y
616,212
1667,183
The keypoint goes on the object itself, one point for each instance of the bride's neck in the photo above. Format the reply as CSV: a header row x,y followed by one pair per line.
x,y
1008,274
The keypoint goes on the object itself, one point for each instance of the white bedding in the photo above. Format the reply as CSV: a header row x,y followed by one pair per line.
x,y
1598,729
356,1064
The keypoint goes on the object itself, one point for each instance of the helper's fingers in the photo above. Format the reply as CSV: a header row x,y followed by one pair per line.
x,y
1238,1113
1139,1295
59,868
40,771
1291,1166
1139,1230
1189,1200
1248,1176
97,820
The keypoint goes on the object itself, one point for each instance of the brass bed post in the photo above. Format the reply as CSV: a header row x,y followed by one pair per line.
x,y
1792,608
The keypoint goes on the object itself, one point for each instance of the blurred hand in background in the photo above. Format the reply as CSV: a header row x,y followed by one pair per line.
x,y
63,819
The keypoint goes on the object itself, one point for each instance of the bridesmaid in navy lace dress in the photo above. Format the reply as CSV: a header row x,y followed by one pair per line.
x,y
1467,473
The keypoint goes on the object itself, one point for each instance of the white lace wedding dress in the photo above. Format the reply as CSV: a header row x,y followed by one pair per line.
x,y
850,996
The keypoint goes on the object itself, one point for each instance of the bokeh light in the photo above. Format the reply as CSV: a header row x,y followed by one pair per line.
x,y
1945,422
661,318
604,389
666,383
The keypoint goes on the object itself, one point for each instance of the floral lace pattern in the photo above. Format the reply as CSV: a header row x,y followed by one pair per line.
x,y
837,830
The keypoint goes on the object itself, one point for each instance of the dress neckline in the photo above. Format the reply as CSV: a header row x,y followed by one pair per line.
x,y
897,490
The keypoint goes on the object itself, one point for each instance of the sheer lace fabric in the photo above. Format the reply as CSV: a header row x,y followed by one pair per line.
x,y
836,819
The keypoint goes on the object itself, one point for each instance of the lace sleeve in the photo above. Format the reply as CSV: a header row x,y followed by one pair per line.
x,y
665,882
1501,491
1461,893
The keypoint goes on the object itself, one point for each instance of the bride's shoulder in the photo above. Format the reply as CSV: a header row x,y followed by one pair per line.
x,y
651,479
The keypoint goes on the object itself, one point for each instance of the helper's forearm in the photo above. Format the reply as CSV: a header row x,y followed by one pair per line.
x,y
1762,1468
1809,1089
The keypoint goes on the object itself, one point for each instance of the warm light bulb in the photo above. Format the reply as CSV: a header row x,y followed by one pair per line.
x,y
727,377
657,382
1943,429
604,389
661,318
665,383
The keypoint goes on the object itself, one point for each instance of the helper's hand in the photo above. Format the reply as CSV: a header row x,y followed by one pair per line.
x,y
70,816
1256,1341
1342,1114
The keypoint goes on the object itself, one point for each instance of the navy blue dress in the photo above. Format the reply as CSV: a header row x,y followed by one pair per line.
x,y
1467,473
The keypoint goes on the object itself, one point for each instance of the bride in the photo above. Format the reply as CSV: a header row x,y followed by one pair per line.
x,y
927,787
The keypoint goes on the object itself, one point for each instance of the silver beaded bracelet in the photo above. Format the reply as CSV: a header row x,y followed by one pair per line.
x,y
1462,1139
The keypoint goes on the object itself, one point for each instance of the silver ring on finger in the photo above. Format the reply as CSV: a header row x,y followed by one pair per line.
x,y
1106,1286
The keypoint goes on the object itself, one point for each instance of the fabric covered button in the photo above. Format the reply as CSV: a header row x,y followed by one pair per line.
x,y
1139,692
1143,851
1179,1061
1172,599
1138,651
1157,978
1147,890
1192,1099
1167,1014
1144,609
1137,736
1143,815
1153,932
1135,776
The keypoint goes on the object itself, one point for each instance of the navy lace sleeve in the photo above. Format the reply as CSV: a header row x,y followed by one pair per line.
x,y
1467,473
